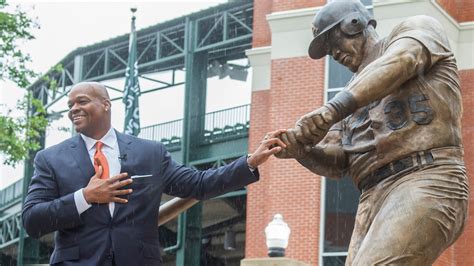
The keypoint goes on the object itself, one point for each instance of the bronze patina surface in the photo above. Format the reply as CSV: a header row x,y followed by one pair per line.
x,y
395,129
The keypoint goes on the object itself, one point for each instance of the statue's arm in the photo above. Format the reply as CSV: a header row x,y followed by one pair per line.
x,y
326,158
403,60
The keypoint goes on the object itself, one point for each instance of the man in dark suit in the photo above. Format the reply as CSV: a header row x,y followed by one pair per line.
x,y
101,190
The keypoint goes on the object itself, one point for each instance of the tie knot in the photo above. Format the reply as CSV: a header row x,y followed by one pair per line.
x,y
99,145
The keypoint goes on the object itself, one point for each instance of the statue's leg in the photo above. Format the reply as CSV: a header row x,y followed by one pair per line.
x,y
418,216
369,204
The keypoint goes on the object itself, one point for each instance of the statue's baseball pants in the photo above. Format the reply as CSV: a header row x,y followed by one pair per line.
x,y
412,219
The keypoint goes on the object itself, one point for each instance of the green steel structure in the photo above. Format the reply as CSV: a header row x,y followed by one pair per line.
x,y
192,44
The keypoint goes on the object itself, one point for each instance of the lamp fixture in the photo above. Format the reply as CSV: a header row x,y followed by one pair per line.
x,y
277,234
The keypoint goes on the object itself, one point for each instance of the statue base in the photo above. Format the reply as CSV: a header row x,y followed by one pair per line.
x,y
272,262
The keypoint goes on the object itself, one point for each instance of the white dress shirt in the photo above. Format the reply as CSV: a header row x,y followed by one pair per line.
x,y
112,153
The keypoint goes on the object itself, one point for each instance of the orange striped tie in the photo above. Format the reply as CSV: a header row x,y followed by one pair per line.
x,y
100,159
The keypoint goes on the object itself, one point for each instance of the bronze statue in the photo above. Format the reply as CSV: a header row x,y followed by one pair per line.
x,y
395,129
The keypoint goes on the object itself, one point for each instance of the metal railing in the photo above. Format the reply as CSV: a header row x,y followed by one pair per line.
x,y
218,125
10,229
226,123
11,194
168,133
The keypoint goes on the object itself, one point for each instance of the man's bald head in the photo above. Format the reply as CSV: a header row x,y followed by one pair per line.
x,y
95,88
89,109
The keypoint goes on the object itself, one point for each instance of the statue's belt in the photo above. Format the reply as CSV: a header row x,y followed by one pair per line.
x,y
410,163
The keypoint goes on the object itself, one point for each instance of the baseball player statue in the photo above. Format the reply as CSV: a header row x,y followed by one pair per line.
x,y
395,129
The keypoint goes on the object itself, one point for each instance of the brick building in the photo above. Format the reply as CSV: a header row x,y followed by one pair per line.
x,y
287,84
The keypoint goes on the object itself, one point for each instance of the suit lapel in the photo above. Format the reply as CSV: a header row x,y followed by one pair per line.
x,y
81,156
124,143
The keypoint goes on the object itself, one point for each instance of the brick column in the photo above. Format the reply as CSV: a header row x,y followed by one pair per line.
x,y
286,86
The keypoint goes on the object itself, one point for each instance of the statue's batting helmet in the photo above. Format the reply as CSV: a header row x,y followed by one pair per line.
x,y
350,14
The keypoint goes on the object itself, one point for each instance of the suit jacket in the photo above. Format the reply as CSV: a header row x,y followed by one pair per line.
x,y
131,235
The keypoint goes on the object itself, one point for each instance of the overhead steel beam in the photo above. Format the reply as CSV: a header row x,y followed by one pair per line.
x,y
224,32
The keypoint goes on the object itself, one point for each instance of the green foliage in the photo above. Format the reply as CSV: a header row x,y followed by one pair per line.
x,y
18,136
15,28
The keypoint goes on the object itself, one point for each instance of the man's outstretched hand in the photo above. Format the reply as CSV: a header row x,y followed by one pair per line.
x,y
270,145
106,190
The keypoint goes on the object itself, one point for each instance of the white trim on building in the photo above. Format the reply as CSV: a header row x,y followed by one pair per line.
x,y
261,66
460,35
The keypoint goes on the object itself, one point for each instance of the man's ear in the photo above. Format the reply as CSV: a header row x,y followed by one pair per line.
x,y
107,104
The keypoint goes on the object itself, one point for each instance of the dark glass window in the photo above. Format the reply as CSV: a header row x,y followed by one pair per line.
x,y
339,75
334,260
341,197
341,206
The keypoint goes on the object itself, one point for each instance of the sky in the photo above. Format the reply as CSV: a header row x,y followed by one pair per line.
x,y
67,25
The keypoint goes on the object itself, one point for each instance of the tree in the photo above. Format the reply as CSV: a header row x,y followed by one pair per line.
x,y
14,28
18,136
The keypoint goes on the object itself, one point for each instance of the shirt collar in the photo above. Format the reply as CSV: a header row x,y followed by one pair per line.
x,y
109,139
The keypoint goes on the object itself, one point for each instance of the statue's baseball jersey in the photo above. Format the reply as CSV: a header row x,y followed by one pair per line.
x,y
423,114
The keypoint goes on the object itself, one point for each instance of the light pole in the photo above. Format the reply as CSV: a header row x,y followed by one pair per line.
x,y
277,234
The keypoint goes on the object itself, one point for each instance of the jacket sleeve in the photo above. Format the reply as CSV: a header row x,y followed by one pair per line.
x,y
44,211
186,182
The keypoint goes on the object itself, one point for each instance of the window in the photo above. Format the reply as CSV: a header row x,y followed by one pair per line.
x,y
340,198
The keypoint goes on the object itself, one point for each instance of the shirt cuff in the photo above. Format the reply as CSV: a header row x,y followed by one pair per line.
x,y
252,169
81,203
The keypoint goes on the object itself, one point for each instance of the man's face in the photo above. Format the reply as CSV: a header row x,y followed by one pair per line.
x,y
347,50
88,111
